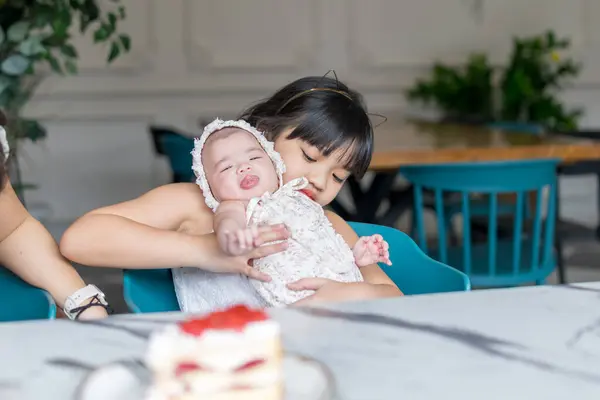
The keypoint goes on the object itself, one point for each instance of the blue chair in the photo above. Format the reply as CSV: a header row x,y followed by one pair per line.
x,y
19,301
413,272
149,290
480,207
177,148
527,256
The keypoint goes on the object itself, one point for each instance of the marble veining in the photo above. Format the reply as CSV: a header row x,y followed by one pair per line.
x,y
530,343
487,344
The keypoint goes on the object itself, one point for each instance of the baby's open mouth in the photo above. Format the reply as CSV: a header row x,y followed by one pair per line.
x,y
249,181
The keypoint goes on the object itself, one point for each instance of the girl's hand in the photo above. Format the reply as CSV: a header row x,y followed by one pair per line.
x,y
371,250
327,290
217,261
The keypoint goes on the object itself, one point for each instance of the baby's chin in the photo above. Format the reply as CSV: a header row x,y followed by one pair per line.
x,y
245,195
258,190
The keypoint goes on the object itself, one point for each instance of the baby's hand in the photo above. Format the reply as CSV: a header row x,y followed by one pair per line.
x,y
370,250
238,242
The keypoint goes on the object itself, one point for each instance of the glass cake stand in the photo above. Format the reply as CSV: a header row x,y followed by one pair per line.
x,y
304,377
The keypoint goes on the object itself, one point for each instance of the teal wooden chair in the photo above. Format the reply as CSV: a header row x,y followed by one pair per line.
x,y
452,206
413,272
528,256
19,301
177,148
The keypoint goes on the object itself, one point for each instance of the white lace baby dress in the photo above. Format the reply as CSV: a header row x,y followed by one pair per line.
x,y
315,248
200,291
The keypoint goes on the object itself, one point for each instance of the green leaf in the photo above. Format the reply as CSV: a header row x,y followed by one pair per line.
x,y
18,31
43,16
61,22
54,64
32,46
5,83
114,52
125,42
112,20
122,13
101,34
33,130
71,66
15,65
2,35
69,50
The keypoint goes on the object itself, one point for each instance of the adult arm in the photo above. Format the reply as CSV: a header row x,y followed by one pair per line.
x,y
27,249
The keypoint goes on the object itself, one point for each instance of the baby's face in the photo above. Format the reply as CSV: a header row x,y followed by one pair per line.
x,y
236,166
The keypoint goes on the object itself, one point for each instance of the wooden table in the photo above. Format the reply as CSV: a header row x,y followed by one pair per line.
x,y
402,142
405,142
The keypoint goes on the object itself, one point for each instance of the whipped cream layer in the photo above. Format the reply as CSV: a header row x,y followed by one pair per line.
x,y
214,350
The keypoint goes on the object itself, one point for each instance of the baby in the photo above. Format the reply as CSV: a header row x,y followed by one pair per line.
x,y
241,177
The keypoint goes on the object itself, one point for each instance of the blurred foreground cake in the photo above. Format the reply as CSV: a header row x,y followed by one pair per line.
x,y
227,355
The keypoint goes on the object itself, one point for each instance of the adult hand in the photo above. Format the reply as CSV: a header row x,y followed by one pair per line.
x,y
215,260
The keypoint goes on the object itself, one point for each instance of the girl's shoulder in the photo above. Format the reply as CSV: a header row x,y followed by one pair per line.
x,y
170,206
187,196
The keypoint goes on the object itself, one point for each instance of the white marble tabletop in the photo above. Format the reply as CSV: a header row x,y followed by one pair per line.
x,y
524,343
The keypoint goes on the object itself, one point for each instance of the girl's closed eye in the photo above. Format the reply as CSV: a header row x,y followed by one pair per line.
x,y
338,179
308,158
255,158
227,168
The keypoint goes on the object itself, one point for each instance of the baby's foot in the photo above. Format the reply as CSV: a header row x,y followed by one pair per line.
x,y
370,250
239,242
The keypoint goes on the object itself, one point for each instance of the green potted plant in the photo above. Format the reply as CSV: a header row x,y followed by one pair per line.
x,y
527,91
36,39
535,74
463,93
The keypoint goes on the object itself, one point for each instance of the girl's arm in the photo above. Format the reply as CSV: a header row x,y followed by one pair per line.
x,y
376,283
27,249
382,285
164,228
147,232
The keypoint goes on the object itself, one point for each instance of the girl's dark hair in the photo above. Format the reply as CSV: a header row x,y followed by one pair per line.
x,y
3,171
325,113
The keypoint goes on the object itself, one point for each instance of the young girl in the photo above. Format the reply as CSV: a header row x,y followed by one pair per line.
x,y
321,130
241,177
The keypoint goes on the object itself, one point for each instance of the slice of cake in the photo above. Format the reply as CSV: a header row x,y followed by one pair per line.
x,y
226,355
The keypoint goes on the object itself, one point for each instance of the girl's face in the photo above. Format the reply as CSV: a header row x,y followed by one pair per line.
x,y
325,174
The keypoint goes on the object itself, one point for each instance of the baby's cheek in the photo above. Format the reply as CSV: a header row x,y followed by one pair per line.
x,y
225,190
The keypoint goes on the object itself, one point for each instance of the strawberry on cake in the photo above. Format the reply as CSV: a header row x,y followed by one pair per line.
x,y
226,355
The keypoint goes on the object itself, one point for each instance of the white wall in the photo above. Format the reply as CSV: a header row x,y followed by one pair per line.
x,y
196,59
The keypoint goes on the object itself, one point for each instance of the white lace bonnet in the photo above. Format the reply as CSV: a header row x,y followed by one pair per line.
x,y
215,126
